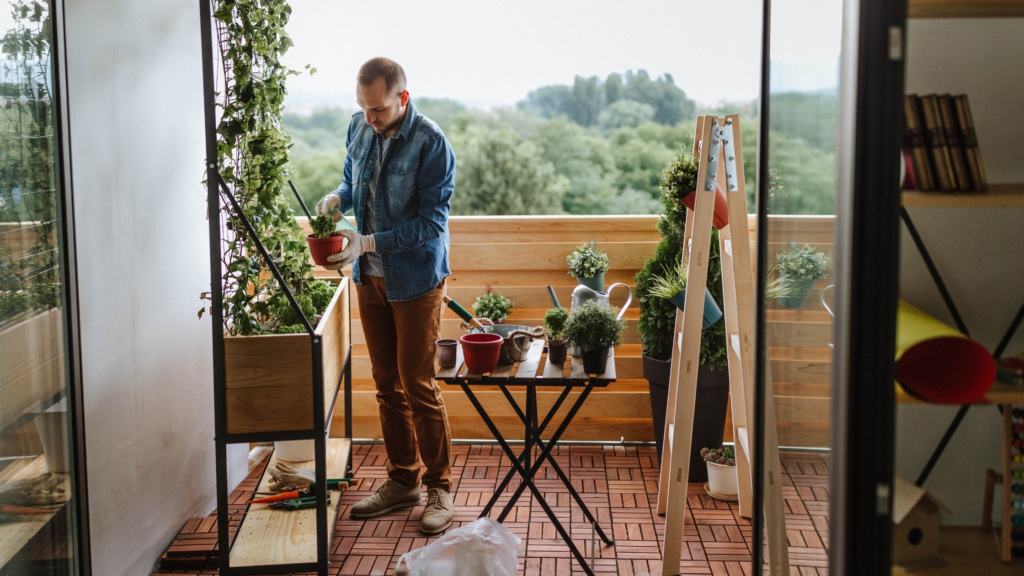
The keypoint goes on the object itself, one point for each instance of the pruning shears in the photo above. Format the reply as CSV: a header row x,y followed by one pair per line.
x,y
297,503
332,484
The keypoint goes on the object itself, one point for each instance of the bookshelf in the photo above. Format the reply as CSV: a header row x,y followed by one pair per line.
x,y
979,72
965,8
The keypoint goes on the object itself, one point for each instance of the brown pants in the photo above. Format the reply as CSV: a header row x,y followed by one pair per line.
x,y
400,338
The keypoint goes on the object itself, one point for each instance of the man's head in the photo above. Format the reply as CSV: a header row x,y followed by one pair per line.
x,y
381,93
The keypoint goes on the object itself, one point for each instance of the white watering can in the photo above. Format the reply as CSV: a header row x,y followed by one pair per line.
x,y
583,293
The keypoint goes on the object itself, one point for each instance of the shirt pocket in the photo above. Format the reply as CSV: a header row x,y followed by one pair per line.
x,y
401,188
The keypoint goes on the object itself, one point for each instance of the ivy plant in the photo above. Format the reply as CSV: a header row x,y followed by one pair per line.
x,y
252,151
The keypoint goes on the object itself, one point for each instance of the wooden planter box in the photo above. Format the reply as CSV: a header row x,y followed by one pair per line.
x,y
32,361
269,379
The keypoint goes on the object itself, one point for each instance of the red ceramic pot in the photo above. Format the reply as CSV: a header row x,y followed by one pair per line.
x,y
481,352
321,248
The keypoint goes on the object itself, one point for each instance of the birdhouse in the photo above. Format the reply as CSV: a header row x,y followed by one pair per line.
x,y
915,519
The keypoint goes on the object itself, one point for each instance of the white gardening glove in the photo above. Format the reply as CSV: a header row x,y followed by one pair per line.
x,y
290,477
328,204
358,245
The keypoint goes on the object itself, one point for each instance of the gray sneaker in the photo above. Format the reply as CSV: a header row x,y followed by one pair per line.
x,y
437,516
390,496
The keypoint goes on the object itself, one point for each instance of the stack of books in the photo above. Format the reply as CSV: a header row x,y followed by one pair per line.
x,y
940,147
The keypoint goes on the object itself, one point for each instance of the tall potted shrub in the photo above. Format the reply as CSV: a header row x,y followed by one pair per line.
x,y
658,316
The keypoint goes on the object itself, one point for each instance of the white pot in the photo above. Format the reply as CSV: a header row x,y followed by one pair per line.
x,y
295,450
722,479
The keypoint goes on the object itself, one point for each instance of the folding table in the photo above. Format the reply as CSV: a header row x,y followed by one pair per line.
x,y
527,373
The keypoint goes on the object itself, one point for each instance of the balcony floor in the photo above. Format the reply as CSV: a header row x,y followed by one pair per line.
x,y
620,480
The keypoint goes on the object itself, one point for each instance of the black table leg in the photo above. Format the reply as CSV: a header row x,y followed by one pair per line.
x,y
528,481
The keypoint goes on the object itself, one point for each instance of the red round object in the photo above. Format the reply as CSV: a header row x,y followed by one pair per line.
x,y
721,210
481,351
321,248
947,370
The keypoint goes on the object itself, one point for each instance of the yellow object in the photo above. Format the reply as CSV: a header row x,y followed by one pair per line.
x,y
936,362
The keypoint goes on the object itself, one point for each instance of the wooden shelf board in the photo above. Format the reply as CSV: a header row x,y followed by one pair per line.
x,y
268,537
997,195
1000,393
15,535
965,8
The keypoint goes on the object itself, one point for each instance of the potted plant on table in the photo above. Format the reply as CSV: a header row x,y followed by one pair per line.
x,y
554,322
721,467
799,268
588,265
595,328
492,306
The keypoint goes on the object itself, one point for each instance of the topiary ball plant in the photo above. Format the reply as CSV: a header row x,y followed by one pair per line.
x,y
586,261
554,322
594,326
492,306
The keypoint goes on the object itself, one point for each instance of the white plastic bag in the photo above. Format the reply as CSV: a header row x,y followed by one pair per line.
x,y
483,548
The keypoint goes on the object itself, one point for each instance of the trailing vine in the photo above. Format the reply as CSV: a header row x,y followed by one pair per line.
x,y
29,260
252,151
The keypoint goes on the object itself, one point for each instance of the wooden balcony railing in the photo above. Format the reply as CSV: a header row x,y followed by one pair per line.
x,y
519,256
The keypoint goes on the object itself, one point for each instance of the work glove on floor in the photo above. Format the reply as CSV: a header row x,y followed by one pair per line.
x,y
328,204
290,477
358,245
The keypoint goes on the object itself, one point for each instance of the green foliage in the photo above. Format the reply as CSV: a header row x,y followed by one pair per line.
x,y
726,455
593,326
625,114
499,174
492,306
805,262
322,225
320,293
554,322
671,282
586,261
30,263
657,315
252,153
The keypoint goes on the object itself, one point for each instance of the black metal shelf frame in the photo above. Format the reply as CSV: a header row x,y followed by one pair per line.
x,y
321,418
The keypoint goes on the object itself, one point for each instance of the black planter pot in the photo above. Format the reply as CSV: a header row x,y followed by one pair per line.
x,y
595,361
557,350
709,412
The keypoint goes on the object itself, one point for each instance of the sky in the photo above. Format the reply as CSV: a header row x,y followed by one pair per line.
x,y
493,53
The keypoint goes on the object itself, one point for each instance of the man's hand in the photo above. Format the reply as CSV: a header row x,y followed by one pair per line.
x,y
328,204
357,246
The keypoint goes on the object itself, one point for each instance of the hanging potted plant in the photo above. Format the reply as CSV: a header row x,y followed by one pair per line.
x,y
595,329
588,265
554,323
721,467
799,268
672,287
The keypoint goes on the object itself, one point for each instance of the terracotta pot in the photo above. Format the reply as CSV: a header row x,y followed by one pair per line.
x,y
481,352
321,248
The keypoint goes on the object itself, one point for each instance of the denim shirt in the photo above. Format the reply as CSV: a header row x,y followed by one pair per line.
x,y
413,199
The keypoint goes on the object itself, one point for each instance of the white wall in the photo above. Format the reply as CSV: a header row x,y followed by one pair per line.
x,y
135,99
978,251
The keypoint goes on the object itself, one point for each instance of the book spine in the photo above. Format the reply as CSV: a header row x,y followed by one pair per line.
x,y
914,142
935,136
969,140
951,125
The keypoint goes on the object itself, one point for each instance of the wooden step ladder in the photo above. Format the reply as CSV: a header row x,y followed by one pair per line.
x,y
717,145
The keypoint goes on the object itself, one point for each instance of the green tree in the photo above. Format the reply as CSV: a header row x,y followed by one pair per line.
x,y
440,110
669,101
612,88
625,113
316,175
498,174
586,100
584,159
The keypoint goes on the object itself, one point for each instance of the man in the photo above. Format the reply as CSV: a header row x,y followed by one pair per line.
x,y
399,177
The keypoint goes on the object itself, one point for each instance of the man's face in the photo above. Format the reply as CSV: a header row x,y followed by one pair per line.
x,y
384,111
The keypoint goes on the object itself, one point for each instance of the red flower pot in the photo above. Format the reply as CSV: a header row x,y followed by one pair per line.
x,y
481,351
321,248
721,209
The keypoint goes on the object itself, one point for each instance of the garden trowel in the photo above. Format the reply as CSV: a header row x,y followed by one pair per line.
x,y
465,315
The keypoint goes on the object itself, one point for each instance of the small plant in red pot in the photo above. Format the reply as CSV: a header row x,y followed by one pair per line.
x,y
322,242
